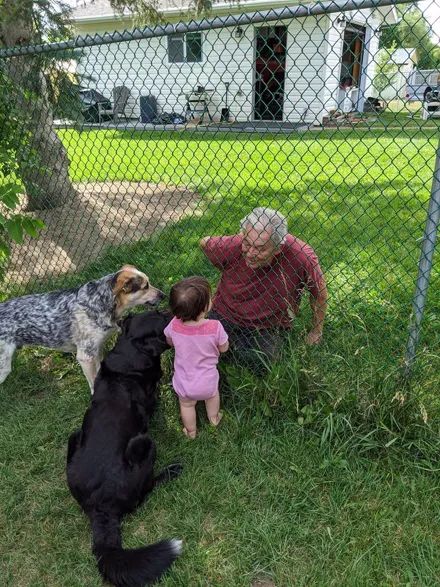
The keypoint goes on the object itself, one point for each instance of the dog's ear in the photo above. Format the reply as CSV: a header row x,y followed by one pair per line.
x,y
152,346
128,266
126,281
125,326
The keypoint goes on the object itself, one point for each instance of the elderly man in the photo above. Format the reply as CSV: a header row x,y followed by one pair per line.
x,y
265,271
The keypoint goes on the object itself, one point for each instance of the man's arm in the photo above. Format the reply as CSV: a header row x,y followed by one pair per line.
x,y
203,241
220,250
319,309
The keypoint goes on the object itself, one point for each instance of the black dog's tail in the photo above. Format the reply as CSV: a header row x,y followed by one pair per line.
x,y
136,567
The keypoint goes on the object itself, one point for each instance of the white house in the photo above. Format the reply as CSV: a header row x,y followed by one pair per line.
x,y
404,61
290,70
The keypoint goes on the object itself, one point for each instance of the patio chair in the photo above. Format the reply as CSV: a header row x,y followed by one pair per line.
x,y
120,99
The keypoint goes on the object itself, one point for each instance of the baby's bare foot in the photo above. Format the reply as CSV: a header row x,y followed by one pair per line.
x,y
190,434
215,420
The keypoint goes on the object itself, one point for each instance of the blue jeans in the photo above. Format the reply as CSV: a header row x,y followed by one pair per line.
x,y
252,348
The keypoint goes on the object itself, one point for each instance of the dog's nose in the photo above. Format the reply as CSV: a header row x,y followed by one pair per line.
x,y
160,294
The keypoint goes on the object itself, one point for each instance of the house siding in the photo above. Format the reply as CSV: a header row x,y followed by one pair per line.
x,y
143,67
314,47
305,68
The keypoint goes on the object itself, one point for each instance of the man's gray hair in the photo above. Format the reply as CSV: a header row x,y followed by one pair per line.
x,y
268,220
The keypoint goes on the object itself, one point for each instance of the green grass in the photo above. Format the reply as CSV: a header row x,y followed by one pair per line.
x,y
402,115
359,199
404,120
324,473
258,497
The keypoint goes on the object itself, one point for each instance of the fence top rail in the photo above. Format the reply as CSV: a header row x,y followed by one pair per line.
x,y
288,12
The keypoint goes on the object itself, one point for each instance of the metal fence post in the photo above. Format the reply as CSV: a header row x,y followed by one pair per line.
x,y
425,266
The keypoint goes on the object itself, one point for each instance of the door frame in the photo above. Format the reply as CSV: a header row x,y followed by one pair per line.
x,y
356,28
254,70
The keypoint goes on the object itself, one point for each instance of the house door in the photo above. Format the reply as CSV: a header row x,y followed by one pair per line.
x,y
351,75
270,72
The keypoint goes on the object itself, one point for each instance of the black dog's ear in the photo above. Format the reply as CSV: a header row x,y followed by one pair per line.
x,y
125,326
153,347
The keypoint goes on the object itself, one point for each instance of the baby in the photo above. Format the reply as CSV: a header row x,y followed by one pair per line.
x,y
198,343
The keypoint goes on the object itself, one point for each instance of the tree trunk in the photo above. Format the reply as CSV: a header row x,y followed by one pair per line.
x,y
43,165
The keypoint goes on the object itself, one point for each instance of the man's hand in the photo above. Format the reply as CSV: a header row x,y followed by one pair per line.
x,y
319,308
314,336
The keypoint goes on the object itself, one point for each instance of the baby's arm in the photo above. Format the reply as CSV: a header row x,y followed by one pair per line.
x,y
167,332
222,338
224,347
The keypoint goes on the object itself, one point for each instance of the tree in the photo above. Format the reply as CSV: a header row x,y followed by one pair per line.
x,y
386,70
12,139
147,11
24,22
413,31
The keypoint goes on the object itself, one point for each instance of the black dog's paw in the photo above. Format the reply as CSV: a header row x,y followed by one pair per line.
x,y
169,473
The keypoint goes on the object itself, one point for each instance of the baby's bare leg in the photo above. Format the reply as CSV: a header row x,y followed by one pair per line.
x,y
188,415
213,409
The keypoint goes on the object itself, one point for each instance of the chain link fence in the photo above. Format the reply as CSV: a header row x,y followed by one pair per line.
x,y
131,147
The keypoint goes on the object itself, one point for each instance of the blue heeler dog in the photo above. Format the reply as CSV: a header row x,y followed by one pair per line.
x,y
78,320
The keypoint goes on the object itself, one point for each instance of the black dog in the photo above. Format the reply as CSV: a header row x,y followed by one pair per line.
x,y
110,459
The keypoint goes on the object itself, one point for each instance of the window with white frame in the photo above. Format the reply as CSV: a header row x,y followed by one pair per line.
x,y
185,48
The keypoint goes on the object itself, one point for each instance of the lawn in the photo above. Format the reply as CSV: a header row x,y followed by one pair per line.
x,y
325,473
258,498
400,114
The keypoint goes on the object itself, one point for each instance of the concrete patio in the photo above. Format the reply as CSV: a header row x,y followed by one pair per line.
x,y
258,126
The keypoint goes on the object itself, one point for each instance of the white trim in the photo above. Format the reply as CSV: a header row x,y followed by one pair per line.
x,y
364,66
102,18
388,14
223,7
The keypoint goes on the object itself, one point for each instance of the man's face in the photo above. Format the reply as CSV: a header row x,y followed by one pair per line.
x,y
258,247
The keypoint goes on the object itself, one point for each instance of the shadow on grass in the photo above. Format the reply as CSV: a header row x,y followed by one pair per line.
x,y
334,134
365,237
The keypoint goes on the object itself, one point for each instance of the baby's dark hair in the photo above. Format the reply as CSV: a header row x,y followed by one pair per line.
x,y
190,297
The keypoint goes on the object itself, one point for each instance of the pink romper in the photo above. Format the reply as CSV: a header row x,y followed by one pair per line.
x,y
196,357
